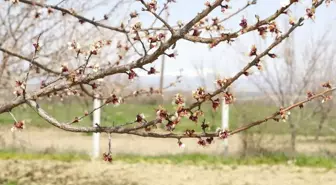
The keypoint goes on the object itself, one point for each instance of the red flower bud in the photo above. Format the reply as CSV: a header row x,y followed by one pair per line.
x,y
107,157
243,23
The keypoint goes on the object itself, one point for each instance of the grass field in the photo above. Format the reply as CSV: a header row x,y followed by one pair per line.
x,y
28,169
47,155
239,113
182,159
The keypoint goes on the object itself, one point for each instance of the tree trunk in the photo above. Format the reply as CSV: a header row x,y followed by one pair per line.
x,y
320,126
245,144
293,135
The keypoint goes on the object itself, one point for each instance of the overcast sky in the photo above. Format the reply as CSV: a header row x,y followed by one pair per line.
x,y
227,59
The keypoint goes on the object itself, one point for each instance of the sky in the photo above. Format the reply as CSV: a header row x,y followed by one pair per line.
x,y
226,60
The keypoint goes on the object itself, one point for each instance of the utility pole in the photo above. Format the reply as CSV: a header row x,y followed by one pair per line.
x,y
163,63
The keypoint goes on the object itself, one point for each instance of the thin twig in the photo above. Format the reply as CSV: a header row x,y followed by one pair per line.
x,y
135,131
158,17
60,3
142,44
109,143
30,65
13,116
29,60
66,11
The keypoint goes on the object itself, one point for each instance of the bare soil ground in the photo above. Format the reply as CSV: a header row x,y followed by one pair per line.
x,y
54,139
119,173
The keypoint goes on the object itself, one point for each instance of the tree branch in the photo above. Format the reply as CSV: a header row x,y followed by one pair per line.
x,y
115,69
121,130
237,33
29,60
66,11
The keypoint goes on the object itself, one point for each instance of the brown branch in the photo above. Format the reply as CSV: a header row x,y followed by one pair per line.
x,y
237,33
90,77
247,126
142,44
66,11
130,95
70,128
133,131
4,64
199,17
158,17
132,44
37,48
29,60
252,63
116,69
139,63
235,13
249,65
238,11
160,12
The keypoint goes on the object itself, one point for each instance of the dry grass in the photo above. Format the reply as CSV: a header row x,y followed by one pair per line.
x,y
119,173
52,139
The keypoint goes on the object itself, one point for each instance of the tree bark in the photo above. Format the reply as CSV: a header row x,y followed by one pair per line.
x,y
293,135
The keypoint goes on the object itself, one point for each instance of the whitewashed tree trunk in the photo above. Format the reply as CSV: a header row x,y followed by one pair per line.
x,y
96,121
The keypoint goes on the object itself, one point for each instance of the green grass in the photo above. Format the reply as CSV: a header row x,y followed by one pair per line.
x,y
239,113
185,159
66,157
203,159
11,183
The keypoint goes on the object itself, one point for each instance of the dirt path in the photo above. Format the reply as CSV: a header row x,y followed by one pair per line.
x,y
119,173
54,139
